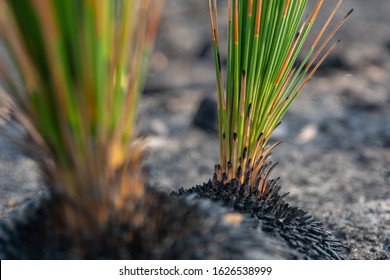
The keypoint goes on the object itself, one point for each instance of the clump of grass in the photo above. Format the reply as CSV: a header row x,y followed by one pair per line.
x,y
82,66
264,77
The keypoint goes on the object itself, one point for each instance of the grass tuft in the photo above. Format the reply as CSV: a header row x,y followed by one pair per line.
x,y
82,66
264,77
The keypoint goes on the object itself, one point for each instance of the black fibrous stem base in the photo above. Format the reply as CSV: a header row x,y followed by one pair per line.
x,y
172,228
296,227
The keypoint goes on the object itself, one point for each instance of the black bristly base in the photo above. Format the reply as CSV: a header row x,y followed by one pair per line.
x,y
172,229
296,227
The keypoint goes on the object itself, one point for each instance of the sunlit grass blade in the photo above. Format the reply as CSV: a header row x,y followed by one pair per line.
x,y
263,75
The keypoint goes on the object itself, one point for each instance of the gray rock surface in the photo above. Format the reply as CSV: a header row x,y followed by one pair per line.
x,y
335,159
